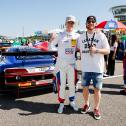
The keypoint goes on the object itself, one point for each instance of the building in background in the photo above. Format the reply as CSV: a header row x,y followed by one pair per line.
x,y
119,12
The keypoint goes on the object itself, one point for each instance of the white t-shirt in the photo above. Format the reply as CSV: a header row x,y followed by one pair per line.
x,y
67,44
94,62
114,46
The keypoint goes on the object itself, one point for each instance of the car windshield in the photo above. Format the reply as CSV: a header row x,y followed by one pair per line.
x,y
5,44
28,49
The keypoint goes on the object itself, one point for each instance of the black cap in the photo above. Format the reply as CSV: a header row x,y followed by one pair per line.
x,y
91,18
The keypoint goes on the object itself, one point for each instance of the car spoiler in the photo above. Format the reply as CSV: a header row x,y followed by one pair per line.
x,y
24,53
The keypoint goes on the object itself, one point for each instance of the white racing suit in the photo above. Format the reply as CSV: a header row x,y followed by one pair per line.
x,y
65,65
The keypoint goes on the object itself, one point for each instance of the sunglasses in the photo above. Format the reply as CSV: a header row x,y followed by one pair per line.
x,y
70,22
91,21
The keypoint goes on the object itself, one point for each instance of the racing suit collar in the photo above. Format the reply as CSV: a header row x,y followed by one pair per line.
x,y
69,33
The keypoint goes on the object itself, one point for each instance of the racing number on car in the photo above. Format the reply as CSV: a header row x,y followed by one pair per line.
x,y
43,68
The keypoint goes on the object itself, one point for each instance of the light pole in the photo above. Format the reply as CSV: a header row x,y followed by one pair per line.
x,y
23,31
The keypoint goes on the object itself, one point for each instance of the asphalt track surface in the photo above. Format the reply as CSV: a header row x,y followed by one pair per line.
x,y
39,108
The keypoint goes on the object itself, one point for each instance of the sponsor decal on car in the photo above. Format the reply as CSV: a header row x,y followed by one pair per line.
x,y
37,69
44,81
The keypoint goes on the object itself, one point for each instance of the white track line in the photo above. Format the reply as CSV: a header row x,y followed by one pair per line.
x,y
112,76
106,77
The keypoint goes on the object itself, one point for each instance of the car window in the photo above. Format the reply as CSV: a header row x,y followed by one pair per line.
x,y
29,49
33,57
5,44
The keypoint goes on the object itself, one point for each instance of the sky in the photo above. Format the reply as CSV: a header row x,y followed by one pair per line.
x,y
24,17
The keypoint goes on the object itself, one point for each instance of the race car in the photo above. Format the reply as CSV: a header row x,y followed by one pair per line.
x,y
26,67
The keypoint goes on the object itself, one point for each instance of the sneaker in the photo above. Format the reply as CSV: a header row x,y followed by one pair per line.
x,y
73,106
97,114
85,109
105,75
61,107
123,92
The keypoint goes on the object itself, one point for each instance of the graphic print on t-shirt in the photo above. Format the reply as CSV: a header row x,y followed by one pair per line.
x,y
88,42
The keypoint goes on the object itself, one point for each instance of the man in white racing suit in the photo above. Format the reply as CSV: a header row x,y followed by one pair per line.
x,y
65,65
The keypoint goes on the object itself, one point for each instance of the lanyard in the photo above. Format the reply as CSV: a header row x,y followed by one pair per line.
x,y
92,39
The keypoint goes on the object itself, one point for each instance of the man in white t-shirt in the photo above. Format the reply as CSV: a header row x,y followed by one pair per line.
x,y
65,64
93,45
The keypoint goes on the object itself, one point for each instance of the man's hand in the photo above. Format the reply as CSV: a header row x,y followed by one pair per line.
x,y
52,37
92,49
